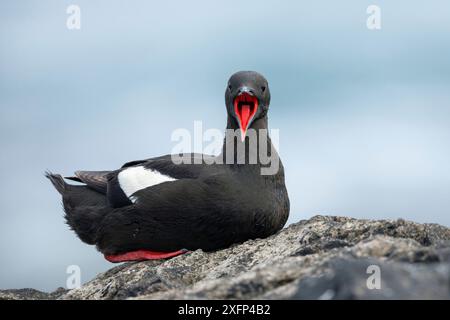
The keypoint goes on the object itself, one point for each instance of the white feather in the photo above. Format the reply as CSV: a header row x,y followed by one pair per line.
x,y
137,178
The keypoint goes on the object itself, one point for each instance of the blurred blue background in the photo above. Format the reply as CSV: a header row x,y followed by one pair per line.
x,y
364,116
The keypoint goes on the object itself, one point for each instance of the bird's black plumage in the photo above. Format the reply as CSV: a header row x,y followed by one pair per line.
x,y
198,205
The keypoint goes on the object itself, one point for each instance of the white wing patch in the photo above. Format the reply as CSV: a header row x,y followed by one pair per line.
x,y
137,178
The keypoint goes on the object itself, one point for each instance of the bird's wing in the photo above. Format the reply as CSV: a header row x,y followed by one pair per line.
x,y
96,180
134,163
186,213
166,165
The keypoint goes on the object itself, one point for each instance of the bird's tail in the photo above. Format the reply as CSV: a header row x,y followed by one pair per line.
x,y
84,207
58,181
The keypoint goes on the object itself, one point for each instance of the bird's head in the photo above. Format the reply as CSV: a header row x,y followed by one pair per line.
x,y
247,98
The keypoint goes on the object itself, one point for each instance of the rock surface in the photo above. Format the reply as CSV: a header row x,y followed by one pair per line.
x,y
321,258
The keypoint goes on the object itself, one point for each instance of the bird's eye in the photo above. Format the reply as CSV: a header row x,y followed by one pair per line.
x,y
263,88
229,87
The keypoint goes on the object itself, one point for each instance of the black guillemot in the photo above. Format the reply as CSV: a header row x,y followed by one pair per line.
x,y
155,208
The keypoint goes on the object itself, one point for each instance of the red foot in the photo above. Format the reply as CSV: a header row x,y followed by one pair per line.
x,y
140,255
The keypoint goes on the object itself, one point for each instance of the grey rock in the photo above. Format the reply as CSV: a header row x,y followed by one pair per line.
x,y
30,294
321,258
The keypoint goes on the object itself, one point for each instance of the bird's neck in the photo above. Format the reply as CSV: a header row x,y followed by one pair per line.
x,y
256,145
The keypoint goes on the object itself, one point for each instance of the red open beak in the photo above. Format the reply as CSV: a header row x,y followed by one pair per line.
x,y
245,107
